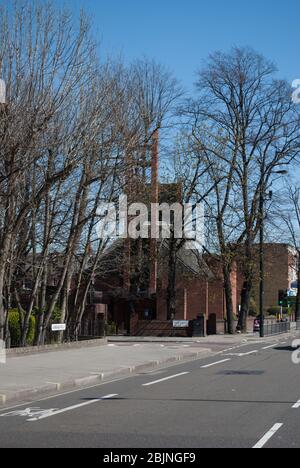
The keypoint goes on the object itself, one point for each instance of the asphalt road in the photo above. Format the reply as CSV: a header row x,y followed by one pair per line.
x,y
241,398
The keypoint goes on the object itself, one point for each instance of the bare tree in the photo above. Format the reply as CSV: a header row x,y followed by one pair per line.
x,y
289,212
46,61
244,122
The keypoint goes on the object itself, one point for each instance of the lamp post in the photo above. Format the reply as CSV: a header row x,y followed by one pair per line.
x,y
262,199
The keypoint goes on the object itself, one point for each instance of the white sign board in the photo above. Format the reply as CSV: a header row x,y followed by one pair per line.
x,y
180,323
59,327
292,292
2,92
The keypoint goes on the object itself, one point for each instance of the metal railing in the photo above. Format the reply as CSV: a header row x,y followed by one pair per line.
x,y
88,330
276,328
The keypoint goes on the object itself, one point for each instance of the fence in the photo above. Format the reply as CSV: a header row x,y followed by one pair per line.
x,y
88,329
155,328
276,328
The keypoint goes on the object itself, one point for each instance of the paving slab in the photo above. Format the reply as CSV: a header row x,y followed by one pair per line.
x,y
29,376
26,377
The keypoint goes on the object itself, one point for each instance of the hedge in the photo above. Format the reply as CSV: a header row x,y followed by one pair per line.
x,y
15,328
276,310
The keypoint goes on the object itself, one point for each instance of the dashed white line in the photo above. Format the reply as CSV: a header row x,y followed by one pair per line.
x,y
71,408
165,379
242,354
268,436
296,405
271,346
250,352
215,363
274,344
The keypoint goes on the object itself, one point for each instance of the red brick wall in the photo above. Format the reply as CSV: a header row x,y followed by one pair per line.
x,y
279,262
201,298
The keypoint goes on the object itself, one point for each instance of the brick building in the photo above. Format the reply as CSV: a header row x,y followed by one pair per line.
x,y
280,272
199,290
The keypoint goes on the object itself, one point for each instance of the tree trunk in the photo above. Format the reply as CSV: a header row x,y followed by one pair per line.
x,y
228,299
29,311
65,301
298,293
245,305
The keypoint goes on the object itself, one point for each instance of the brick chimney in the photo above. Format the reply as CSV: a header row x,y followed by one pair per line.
x,y
154,220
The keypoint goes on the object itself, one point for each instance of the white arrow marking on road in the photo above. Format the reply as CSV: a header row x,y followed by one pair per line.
x,y
71,408
165,379
268,436
215,363
297,405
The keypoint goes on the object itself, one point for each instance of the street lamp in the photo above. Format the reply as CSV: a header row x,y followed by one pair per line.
x,y
261,246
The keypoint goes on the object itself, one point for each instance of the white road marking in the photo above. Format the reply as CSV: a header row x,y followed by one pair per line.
x,y
165,379
78,390
297,405
268,436
215,363
71,408
271,346
242,354
28,413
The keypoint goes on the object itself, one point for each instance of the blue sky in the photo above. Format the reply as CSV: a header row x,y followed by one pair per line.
x,y
181,34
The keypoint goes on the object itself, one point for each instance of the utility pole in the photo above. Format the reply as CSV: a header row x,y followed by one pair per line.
x,y
262,198
261,252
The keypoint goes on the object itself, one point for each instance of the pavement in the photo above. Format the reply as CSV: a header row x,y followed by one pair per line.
x,y
35,375
237,395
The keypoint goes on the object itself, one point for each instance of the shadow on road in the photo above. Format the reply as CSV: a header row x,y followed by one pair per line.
x,y
285,348
196,400
241,372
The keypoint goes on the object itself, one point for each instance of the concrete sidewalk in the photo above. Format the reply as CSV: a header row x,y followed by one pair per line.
x,y
29,377
217,339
